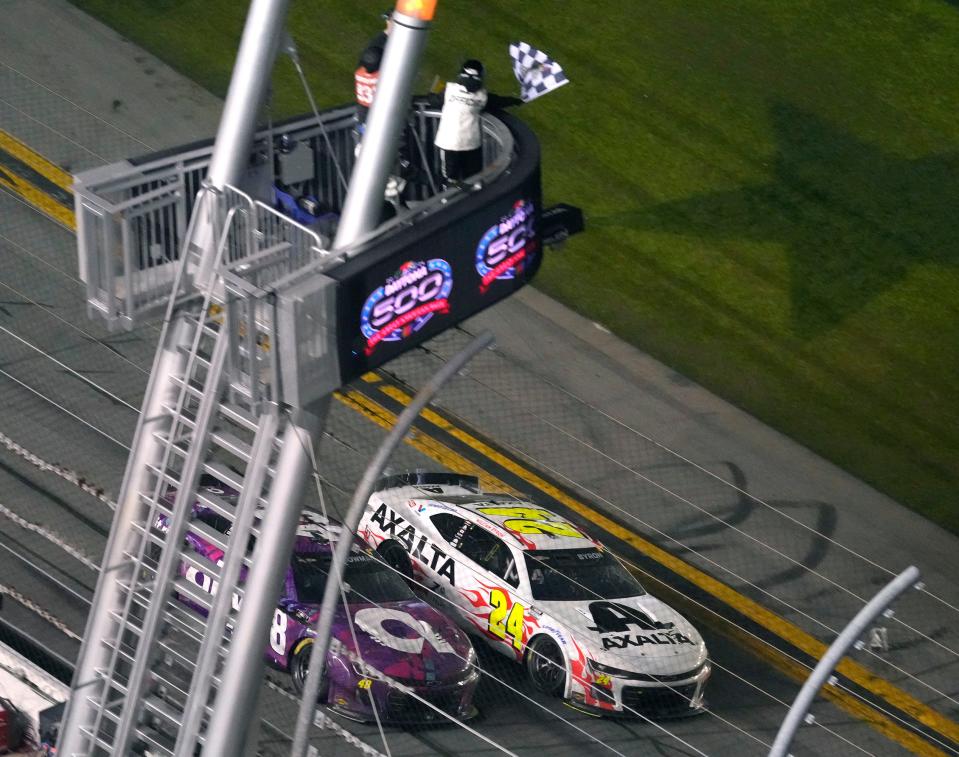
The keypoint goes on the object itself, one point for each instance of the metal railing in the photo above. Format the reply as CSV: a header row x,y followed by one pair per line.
x,y
133,216
282,246
252,362
258,248
240,239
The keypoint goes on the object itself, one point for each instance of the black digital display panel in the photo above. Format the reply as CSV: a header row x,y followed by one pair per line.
x,y
449,266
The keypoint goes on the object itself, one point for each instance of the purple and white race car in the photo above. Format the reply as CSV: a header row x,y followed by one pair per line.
x,y
396,633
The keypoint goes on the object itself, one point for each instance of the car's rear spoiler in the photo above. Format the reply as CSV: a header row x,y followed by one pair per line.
x,y
423,478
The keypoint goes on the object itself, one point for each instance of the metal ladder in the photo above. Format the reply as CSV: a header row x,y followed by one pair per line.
x,y
164,657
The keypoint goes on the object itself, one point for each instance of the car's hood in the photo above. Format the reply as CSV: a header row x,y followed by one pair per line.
x,y
638,634
408,640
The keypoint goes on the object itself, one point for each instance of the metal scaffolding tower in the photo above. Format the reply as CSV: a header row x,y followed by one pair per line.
x,y
264,319
157,648
157,667
149,665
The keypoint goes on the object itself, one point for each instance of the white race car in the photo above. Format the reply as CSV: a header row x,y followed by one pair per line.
x,y
541,591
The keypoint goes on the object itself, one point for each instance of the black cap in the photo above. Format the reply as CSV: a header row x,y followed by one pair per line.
x,y
371,59
473,67
471,75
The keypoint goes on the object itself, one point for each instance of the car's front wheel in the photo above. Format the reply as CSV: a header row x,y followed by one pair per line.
x,y
396,557
546,666
300,668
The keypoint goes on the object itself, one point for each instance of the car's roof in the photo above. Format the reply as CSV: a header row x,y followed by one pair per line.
x,y
313,528
533,527
529,526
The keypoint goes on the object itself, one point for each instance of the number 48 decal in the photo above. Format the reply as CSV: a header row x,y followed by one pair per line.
x,y
513,615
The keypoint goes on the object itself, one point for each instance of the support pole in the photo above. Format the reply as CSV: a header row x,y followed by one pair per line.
x,y
857,626
243,670
385,122
247,92
361,214
246,95
354,513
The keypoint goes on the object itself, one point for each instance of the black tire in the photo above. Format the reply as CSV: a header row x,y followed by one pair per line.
x,y
393,554
546,666
300,666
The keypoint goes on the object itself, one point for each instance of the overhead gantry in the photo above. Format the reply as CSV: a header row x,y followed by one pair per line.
x,y
283,270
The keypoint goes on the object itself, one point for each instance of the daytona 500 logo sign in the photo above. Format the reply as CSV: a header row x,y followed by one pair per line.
x,y
503,250
407,300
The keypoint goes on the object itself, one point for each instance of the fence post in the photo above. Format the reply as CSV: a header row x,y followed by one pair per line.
x,y
834,654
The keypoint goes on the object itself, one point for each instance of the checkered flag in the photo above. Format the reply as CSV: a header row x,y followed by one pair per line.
x,y
535,71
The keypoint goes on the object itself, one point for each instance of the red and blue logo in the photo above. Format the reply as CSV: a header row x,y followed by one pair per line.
x,y
504,250
406,301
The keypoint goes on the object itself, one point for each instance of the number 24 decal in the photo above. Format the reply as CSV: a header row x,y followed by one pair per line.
x,y
532,520
513,614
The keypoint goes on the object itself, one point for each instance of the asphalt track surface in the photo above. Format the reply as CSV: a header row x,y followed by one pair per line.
x,y
505,419
518,724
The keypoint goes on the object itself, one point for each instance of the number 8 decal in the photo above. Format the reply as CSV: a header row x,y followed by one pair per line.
x,y
278,632
514,616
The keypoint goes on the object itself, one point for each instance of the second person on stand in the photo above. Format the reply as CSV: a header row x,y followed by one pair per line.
x,y
459,136
367,75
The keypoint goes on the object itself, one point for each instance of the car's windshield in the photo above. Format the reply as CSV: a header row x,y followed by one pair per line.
x,y
369,579
577,574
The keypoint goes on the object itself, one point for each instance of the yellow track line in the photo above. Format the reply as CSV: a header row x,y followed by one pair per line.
x,y
422,442
851,704
751,609
38,199
26,189
36,161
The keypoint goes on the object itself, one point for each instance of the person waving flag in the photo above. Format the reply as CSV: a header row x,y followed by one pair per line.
x,y
536,72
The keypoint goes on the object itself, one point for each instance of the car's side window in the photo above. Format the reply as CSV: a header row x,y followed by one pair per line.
x,y
480,546
451,527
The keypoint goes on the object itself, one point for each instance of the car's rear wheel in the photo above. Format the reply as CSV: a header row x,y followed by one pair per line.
x,y
300,668
396,557
546,666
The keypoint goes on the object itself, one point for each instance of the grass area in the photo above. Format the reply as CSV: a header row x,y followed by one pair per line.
x,y
771,190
